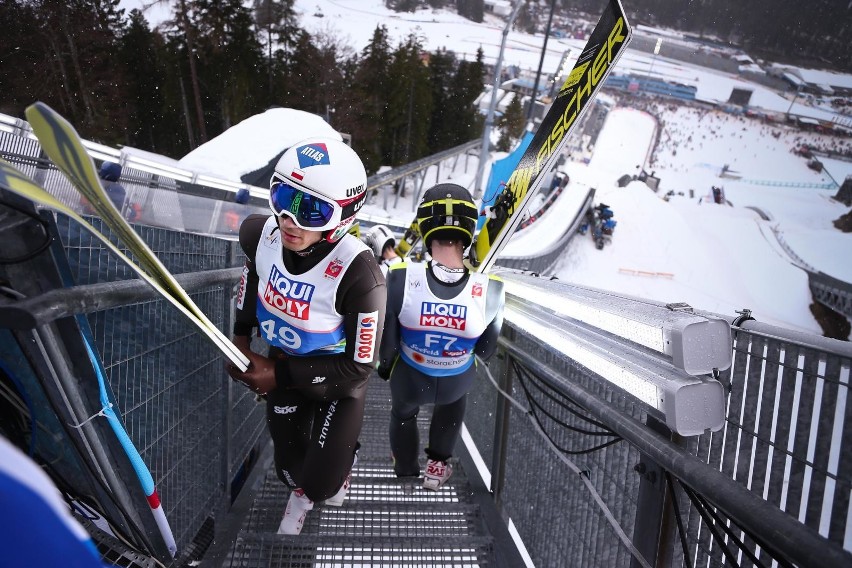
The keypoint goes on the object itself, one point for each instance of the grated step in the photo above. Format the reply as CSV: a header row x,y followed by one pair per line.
x,y
252,550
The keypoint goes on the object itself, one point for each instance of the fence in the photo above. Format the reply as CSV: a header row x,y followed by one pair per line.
x,y
195,433
576,460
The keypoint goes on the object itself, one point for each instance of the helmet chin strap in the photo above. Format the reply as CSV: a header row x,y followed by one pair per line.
x,y
320,246
446,274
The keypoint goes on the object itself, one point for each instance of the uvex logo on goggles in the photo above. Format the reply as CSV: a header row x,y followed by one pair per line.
x,y
288,296
450,316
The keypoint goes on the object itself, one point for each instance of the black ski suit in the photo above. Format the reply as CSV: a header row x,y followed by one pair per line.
x,y
317,408
412,388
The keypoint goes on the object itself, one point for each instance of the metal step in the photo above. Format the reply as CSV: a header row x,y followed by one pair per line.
x,y
385,521
252,550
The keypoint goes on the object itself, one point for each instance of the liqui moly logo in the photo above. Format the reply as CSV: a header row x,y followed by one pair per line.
x,y
289,297
365,337
312,155
450,316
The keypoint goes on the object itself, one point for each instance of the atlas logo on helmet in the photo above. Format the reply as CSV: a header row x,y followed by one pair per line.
x,y
313,155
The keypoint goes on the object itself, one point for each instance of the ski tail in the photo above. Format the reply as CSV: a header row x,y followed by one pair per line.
x,y
606,44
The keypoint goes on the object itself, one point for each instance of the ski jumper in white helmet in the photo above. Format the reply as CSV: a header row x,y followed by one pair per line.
x,y
320,184
381,240
320,310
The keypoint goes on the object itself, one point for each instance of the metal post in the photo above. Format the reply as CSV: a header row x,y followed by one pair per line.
x,y
653,529
489,119
541,60
501,434
796,96
654,59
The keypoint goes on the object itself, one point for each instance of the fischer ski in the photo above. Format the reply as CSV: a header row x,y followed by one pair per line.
x,y
14,180
605,45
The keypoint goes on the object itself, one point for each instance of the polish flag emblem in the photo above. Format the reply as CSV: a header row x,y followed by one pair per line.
x,y
297,174
334,268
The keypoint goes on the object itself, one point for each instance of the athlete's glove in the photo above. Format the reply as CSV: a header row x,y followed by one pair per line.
x,y
384,371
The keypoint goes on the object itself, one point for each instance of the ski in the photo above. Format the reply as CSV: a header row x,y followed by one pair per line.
x,y
605,45
409,239
14,180
62,144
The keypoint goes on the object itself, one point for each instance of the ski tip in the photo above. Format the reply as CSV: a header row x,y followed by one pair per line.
x,y
38,108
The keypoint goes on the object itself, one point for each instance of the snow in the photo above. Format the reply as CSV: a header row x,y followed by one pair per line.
x,y
680,247
252,143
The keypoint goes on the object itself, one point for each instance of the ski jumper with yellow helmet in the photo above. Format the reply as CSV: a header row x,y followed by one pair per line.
x,y
437,321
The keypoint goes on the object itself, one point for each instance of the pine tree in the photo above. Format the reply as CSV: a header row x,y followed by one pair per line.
x,y
406,128
139,51
442,65
277,20
229,58
511,124
372,86
467,85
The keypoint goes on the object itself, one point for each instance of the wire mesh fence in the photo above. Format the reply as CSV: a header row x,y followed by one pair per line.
x,y
787,421
170,387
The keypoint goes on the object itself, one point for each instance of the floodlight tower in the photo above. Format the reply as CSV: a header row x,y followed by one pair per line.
x,y
489,118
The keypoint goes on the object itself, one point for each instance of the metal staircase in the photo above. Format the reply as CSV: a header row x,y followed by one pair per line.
x,y
383,522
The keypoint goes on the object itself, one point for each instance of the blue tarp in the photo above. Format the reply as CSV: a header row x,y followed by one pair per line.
x,y
500,172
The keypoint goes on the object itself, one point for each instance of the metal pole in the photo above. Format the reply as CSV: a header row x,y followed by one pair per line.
x,y
654,59
489,119
541,60
796,96
501,436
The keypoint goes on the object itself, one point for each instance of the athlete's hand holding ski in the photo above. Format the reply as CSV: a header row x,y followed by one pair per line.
x,y
260,376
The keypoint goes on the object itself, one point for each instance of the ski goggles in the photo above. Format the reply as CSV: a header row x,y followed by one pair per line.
x,y
308,210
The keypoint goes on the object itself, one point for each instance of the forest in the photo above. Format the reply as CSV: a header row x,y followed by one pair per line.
x,y
815,33
217,62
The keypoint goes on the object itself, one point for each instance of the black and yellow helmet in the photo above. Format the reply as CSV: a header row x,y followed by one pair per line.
x,y
447,211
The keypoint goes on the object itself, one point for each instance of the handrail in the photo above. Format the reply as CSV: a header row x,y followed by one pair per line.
x,y
798,542
64,302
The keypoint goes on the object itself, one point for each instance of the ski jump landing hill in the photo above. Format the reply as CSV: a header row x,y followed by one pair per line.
x,y
614,156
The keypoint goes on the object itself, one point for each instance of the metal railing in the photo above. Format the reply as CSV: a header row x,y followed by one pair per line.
x,y
163,195
196,433
592,477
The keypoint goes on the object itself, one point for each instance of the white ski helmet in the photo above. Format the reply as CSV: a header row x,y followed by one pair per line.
x,y
319,183
378,237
